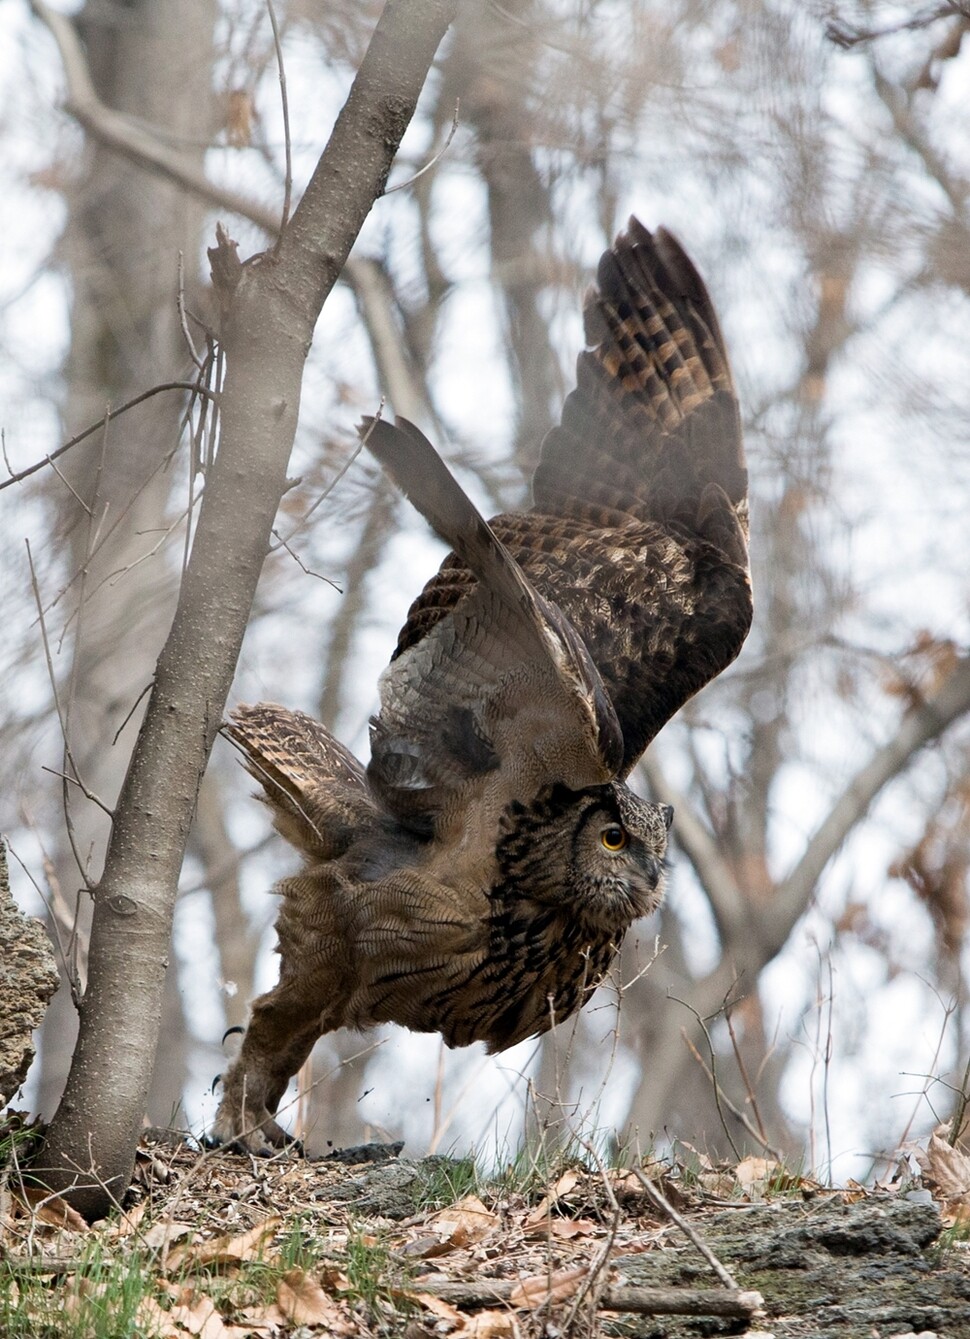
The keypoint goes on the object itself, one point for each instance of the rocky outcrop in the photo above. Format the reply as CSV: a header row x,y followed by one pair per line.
x,y
825,1268
28,979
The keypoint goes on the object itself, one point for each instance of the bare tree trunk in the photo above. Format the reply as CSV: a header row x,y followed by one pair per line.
x,y
754,935
235,940
124,234
270,309
494,65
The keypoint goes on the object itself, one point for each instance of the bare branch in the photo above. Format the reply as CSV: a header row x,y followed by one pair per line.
x,y
919,727
698,843
846,35
118,132
375,299
621,1297
287,144
432,162
103,422
35,587
910,133
661,1201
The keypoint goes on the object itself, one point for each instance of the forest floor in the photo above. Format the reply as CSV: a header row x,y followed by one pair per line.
x,y
371,1243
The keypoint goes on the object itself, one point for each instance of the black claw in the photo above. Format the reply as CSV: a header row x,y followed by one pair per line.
x,y
229,1031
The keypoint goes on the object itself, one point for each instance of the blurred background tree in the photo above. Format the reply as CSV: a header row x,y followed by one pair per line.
x,y
817,166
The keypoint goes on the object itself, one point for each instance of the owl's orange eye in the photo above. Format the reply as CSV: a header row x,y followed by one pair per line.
x,y
613,837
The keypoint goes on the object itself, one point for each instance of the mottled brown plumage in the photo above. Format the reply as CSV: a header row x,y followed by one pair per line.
x,y
478,878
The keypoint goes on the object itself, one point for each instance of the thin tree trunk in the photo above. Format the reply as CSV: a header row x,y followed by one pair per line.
x,y
123,237
270,311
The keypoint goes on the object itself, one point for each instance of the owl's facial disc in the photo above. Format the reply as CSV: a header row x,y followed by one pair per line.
x,y
617,861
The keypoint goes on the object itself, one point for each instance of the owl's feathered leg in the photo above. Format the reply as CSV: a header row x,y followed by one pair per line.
x,y
315,788
278,1039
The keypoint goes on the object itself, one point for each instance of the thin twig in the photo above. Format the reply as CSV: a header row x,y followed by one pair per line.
x,y
949,1009
183,322
734,1109
139,143
20,475
713,1054
288,148
55,926
70,487
827,1072
113,577
301,564
658,1197
960,1108
132,709
748,1085
265,777
73,781
432,162
330,486
596,1270
60,714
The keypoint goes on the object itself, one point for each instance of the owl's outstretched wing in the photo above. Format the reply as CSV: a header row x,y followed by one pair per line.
x,y
639,526
653,424
502,682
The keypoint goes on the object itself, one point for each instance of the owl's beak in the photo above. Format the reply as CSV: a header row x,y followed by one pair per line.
x,y
668,814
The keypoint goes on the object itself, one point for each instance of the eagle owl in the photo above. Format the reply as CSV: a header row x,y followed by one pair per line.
x,y
477,877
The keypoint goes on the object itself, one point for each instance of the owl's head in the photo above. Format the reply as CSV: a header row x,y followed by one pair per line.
x,y
597,853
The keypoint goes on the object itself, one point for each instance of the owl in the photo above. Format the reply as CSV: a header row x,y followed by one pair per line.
x,y
478,876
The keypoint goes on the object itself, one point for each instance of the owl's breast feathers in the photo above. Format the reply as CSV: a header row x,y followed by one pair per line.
x,y
556,916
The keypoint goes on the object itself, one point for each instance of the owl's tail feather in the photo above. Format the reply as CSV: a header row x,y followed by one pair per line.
x,y
314,785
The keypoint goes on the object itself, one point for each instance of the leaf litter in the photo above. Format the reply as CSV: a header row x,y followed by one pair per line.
x,y
230,1247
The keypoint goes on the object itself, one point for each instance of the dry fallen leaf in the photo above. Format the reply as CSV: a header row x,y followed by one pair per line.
x,y
463,1223
192,1313
303,1301
720,1185
567,1182
541,1288
155,1320
754,1174
946,1167
265,1319
625,1182
165,1232
226,1249
489,1325
334,1280
129,1221
658,1171
425,1247
51,1209
436,1305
